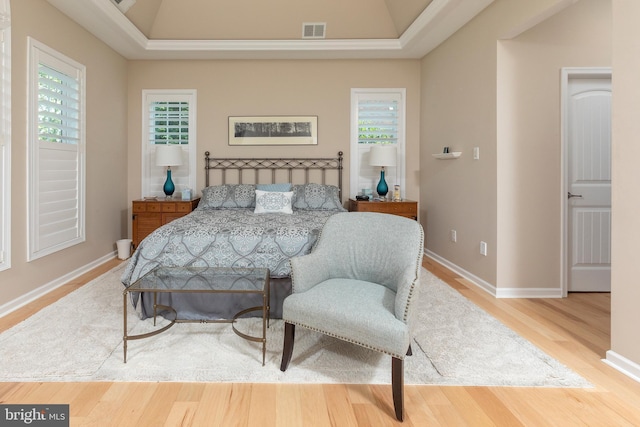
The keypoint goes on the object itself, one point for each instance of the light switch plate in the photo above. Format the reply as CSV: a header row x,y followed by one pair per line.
x,y
483,248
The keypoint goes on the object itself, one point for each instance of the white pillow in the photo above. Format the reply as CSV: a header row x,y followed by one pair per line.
x,y
273,202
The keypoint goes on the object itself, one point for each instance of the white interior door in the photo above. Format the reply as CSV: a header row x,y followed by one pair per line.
x,y
589,184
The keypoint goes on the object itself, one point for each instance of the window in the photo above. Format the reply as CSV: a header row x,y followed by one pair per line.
x,y
169,117
56,151
377,117
5,135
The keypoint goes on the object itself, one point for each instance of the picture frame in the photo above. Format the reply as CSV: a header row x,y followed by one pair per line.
x,y
273,130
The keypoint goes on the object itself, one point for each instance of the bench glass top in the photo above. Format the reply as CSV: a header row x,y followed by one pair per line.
x,y
202,279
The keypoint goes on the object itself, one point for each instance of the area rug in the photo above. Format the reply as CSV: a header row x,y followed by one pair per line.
x,y
79,338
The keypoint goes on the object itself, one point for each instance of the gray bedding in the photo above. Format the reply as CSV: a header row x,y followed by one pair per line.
x,y
222,238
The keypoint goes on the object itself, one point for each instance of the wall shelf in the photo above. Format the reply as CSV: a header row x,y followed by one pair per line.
x,y
448,156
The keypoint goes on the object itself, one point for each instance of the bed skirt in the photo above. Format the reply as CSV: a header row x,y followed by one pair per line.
x,y
203,306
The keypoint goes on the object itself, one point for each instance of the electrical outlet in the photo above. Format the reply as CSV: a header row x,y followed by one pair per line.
x,y
453,235
483,248
476,153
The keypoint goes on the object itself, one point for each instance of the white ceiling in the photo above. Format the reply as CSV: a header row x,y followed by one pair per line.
x,y
247,29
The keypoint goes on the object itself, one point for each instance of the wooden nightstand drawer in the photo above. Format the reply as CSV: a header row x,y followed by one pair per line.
x,y
168,207
153,206
397,208
406,208
184,207
139,207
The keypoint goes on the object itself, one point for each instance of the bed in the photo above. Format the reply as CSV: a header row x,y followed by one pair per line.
x,y
253,213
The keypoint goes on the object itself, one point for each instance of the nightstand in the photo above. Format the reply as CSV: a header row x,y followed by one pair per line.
x,y
149,214
406,208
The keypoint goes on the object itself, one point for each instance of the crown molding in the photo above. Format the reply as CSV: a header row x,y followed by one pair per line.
x,y
437,22
272,49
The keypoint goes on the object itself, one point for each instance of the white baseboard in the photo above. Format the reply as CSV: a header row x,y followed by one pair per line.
x,y
622,364
491,289
48,287
529,293
482,284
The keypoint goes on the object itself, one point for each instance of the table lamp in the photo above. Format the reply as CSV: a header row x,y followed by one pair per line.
x,y
382,155
168,155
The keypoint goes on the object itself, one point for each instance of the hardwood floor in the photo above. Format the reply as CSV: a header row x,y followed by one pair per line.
x,y
574,330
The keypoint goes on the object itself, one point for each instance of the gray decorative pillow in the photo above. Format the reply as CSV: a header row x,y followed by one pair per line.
x,y
273,202
228,196
317,197
274,187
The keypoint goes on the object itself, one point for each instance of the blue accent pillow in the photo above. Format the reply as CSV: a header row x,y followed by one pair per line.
x,y
281,188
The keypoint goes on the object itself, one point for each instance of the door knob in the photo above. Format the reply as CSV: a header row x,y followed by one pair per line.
x,y
571,196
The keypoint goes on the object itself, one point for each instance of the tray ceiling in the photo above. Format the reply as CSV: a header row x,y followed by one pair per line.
x,y
245,29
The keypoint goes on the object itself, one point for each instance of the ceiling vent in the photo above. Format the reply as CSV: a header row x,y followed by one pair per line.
x,y
313,30
123,5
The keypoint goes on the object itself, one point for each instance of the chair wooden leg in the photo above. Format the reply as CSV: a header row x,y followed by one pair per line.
x,y
287,348
397,385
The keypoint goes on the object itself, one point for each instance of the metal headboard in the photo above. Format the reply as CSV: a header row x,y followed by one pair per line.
x,y
274,165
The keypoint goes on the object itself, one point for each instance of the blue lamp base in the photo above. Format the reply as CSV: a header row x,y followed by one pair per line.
x,y
169,187
382,189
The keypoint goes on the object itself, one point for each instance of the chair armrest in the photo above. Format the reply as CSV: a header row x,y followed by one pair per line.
x,y
408,290
307,271
408,287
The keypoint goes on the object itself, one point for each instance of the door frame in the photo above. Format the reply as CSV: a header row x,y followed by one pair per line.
x,y
568,73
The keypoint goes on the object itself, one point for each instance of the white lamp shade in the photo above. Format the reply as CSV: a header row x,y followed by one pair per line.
x,y
382,155
168,155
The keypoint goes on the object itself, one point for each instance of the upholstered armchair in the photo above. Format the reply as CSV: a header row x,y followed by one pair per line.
x,y
359,284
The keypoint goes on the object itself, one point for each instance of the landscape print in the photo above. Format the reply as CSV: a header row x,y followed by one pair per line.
x,y
278,130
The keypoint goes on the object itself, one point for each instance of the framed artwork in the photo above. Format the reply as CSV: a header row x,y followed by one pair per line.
x,y
273,130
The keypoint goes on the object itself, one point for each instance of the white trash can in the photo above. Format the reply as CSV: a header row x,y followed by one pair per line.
x,y
124,248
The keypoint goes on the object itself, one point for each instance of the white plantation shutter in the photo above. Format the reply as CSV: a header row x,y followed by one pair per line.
x,y
169,118
56,151
377,117
58,106
169,122
377,121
